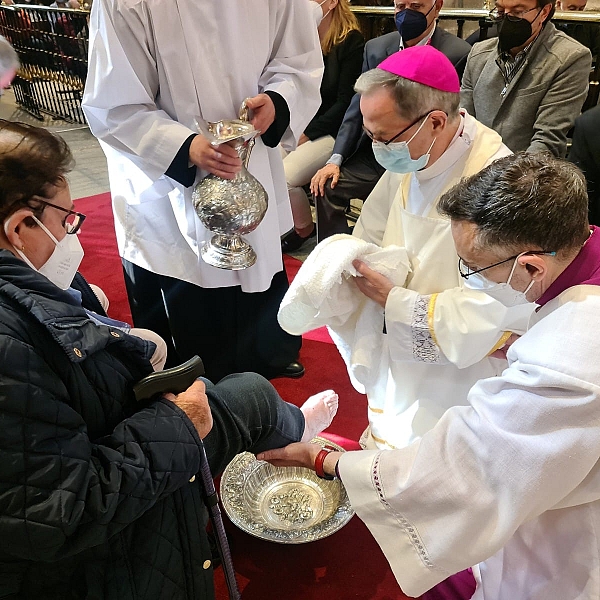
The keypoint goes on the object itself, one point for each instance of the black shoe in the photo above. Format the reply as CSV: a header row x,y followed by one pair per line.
x,y
293,370
291,241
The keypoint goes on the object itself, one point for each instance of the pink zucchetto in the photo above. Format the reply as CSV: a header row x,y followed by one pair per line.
x,y
425,65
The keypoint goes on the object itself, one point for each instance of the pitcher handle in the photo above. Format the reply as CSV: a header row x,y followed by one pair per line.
x,y
244,113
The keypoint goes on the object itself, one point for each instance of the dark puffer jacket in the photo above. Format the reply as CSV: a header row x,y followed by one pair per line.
x,y
95,499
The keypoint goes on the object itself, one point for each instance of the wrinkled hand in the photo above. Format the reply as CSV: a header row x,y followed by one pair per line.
x,y
194,403
372,284
221,160
264,111
320,178
299,454
501,352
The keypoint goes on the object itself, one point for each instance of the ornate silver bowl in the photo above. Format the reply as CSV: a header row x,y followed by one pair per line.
x,y
289,505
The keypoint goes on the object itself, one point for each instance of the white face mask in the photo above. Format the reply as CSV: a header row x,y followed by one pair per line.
x,y
318,11
503,292
64,261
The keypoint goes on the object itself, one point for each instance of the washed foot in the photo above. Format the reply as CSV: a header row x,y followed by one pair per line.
x,y
318,412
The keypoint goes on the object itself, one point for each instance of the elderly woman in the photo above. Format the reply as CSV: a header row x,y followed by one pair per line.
x,y
98,497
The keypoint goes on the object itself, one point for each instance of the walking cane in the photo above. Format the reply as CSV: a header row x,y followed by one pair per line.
x,y
177,380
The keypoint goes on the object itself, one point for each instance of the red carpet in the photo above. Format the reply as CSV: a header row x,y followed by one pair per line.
x,y
347,565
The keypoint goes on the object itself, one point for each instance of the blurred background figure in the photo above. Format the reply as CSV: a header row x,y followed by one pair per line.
x,y
587,34
342,45
9,63
585,153
352,171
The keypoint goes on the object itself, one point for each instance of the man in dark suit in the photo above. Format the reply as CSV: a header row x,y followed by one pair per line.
x,y
352,170
585,153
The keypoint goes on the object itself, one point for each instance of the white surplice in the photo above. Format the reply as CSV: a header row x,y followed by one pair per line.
x,y
511,482
423,354
415,382
154,67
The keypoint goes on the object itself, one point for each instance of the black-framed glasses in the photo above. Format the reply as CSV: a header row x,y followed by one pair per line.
x,y
466,272
498,15
73,221
372,137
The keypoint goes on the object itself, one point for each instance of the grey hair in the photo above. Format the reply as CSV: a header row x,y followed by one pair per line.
x,y
412,99
9,60
523,202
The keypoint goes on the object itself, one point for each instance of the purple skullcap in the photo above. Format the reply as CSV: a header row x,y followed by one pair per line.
x,y
425,65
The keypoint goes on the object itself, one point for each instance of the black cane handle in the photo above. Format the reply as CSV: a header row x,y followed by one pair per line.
x,y
174,380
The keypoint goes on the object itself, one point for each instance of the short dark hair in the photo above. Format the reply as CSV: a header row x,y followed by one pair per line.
x,y
523,201
32,161
542,3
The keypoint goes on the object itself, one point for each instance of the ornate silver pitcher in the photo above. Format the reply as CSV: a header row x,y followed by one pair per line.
x,y
230,207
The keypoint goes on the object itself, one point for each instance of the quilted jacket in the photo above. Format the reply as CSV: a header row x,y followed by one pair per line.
x,y
95,498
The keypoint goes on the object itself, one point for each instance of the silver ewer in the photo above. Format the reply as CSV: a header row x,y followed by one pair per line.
x,y
230,208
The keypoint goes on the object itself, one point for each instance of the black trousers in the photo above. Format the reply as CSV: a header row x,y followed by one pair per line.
x,y
358,176
231,330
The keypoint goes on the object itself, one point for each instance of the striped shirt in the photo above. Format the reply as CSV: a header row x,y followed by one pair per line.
x,y
509,66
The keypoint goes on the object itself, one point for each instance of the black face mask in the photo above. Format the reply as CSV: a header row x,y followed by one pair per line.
x,y
411,23
513,32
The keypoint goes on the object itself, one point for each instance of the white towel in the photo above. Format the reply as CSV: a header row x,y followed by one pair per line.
x,y
324,293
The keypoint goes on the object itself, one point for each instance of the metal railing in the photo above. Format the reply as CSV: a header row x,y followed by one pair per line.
x,y
53,43
52,47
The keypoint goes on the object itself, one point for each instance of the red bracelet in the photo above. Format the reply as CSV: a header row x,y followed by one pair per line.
x,y
320,459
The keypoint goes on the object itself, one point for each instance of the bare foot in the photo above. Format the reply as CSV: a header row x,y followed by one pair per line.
x,y
318,412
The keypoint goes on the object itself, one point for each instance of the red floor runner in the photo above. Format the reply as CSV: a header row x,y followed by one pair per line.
x,y
347,565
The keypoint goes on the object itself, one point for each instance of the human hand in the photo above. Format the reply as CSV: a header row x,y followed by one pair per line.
x,y
501,352
372,284
194,403
317,183
222,161
264,111
303,139
300,454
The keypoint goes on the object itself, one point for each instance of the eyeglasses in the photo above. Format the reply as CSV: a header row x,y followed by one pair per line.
x,y
386,143
73,221
497,14
466,272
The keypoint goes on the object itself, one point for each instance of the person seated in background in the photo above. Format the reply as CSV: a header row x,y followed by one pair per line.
x,y
529,84
587,34
508,482
585,153
385,326
97,492
342,44
352,170
66,4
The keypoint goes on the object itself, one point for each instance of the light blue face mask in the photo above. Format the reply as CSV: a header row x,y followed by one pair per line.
x,y
395,157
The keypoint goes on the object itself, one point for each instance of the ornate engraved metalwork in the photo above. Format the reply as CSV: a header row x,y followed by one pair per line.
x,y
293,506
289,505
234,207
